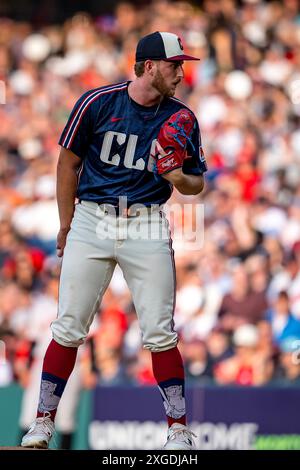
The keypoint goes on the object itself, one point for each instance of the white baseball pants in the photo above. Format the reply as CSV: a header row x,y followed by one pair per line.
x,y
141,245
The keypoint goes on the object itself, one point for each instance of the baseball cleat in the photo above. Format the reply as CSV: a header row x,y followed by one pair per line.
x,y
40,433
179,438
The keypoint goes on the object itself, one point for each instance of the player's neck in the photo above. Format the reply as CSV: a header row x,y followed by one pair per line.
x,y
143,94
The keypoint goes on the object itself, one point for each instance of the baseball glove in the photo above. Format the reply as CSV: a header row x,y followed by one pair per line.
x,y
172,140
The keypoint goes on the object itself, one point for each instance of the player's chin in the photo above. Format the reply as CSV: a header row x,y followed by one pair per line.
x,y
171,92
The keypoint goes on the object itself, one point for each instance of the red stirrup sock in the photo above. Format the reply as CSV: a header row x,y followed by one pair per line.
x,y
169,374
57,367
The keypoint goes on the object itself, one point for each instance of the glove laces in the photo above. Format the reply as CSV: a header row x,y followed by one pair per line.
x,y
180,133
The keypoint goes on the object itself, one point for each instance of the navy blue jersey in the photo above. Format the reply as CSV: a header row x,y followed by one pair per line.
x,y
114,137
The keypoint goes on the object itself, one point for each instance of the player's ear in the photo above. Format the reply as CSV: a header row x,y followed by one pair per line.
x,y
150,66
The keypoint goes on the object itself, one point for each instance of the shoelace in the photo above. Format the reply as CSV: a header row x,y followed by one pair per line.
x,y
44,421
189,433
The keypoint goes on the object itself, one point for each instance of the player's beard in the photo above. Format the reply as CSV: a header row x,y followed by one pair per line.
x,y
160,85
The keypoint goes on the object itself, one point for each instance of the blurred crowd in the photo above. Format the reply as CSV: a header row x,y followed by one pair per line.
x,y
238,294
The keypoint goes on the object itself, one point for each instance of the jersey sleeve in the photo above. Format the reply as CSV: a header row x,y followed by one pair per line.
x,y
195,164
78,130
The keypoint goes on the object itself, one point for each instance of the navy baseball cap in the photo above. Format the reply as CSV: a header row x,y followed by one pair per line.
x,y
161,46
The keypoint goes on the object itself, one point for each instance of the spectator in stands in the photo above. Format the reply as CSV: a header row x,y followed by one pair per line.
x,y
241,305
246,366
283,322
289,366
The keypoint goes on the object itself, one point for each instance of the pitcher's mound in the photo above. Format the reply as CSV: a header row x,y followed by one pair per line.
x,y
19,448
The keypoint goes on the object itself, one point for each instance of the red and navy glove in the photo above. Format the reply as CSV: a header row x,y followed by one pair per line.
x,y
172,140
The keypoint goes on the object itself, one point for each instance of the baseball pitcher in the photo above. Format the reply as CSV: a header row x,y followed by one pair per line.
x,y
123,149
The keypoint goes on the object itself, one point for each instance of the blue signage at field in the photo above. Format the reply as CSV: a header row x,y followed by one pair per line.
x,y
222,418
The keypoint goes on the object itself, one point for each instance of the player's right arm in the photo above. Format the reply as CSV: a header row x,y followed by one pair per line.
x,y
74,142
66,185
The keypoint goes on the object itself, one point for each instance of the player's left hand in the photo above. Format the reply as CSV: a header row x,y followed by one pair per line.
x,y
173,137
